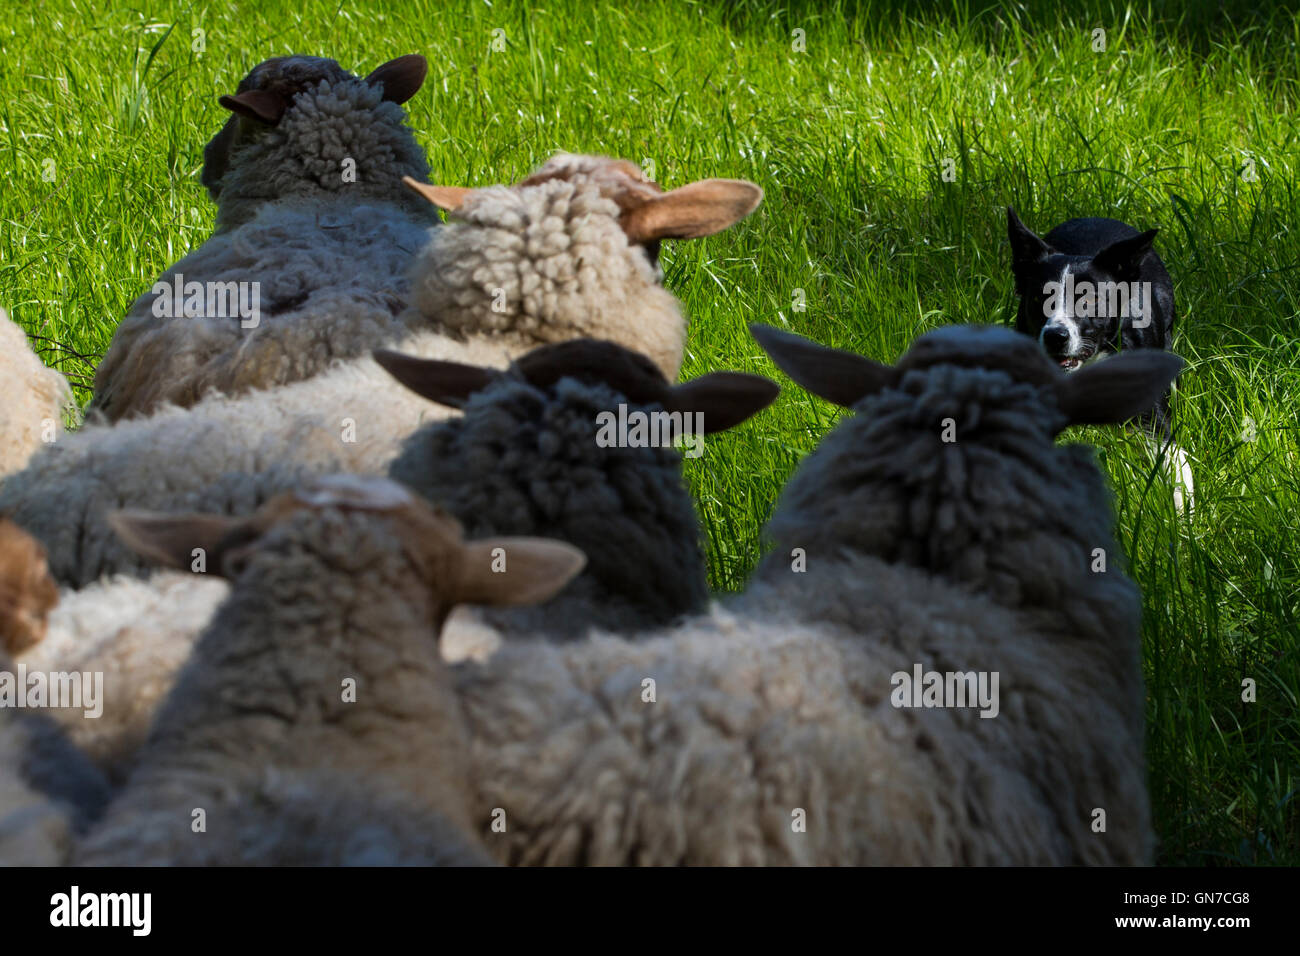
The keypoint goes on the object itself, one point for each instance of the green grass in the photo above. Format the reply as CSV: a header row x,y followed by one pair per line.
x,y
1186,121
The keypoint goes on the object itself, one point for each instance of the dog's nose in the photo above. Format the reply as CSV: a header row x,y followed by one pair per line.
x,y
1056,338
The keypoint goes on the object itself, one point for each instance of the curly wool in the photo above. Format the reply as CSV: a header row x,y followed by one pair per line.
x,y
547,263
774,707
34,398
524,461
257,713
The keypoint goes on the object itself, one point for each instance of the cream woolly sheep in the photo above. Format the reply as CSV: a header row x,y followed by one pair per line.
x,y
230,454
527,457
315,722
313,229
774,731
33,398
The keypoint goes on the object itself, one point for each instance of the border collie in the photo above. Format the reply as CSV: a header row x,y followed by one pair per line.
x,y
1090,288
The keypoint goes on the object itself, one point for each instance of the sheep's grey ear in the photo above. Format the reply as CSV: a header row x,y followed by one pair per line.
x,y
694,211
1026,246
172,540
402,78
515,570
447,383
725,399
263,106
1117,389
1126,254
447,198
844,378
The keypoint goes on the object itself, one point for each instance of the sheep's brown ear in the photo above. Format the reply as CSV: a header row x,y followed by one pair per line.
x,y
402,78
446,198
263,106
844,378
725,399
171,540
447,383
515,570
1026,246
1117,389
694,211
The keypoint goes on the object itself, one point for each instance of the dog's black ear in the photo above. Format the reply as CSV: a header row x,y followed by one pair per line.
x,y
1026,245
725,399
1116,389
447,383
844,378
1126,255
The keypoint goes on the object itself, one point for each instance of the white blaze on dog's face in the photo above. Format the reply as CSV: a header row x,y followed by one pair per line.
x,y
1061,337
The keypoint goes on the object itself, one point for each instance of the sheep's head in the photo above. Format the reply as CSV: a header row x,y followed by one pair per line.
x,y
297,119
570,251
949,462
27,589
529,457
344,522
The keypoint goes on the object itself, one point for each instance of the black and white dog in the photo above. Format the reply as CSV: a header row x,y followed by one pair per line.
x,y
1090,288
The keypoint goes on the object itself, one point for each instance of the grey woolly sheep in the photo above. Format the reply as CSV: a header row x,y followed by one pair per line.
x,y
780,729
229,454
315,722
313,229
532,455
33,399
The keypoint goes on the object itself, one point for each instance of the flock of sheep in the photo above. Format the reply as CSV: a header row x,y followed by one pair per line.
x,y
409,427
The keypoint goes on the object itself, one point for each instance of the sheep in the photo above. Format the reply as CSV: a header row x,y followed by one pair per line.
x,y
34,399
781,728
535,453
313,229
314,723
559,230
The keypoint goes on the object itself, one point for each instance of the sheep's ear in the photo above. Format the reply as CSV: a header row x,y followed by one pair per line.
x,y
515,570
447,383
27,590
446,198
725,399
262,106
173,539
1026,246
402,78
1117,389
844,378
1126,255
694,211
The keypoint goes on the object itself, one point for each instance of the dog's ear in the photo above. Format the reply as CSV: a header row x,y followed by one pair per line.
x,y
1125,257
844,378
1026,246
1117,389
725,399
447,383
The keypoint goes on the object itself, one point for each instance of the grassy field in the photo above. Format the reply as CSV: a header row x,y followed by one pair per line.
x,y
1185,120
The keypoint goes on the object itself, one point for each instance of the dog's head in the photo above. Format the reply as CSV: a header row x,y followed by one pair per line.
x,y
1077,305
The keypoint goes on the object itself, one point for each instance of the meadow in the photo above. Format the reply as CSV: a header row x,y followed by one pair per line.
x,y
889,138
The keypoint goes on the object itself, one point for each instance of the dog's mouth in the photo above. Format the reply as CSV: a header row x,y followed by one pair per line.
x,y
1072,363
